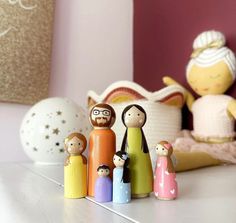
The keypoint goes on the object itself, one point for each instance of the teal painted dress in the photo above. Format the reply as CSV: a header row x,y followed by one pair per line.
x,y
140,164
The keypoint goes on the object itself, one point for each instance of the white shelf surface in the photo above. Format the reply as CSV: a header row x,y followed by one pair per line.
x,y
205,195
28,197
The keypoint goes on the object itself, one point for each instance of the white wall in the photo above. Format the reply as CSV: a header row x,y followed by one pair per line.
x,y
92,48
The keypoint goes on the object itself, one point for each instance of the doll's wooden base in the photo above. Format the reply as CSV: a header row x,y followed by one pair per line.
x,y
136,196
165,199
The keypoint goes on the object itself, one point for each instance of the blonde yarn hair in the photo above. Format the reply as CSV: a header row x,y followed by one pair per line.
x,y
209,48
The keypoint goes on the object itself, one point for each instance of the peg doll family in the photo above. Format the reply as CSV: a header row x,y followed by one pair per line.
x,y
117,175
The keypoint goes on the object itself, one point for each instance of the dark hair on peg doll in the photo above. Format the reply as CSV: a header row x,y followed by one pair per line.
x,y
126,174
103,167
144,142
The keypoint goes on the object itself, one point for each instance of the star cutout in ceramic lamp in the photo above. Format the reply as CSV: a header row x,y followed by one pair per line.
x,y
35,149
55,131
59,112
47,126
47,137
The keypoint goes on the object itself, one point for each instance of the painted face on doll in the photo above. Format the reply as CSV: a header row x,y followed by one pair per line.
x,y
75,146
102,115
103,172
215,79
161,150
118,161
134,118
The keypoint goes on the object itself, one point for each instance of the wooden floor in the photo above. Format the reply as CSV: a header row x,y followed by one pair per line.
x,y
34,193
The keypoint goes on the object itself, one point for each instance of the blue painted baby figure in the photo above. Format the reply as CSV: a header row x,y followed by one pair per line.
x,y
121,178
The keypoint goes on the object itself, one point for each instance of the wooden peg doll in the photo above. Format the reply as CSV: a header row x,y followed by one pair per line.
x,y
103,185
102,142
134,142
165,185
75,167
121,178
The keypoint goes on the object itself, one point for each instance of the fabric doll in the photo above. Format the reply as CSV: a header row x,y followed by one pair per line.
x,y
210,72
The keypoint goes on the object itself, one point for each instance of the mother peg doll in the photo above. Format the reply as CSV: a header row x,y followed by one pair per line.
x,y
134,142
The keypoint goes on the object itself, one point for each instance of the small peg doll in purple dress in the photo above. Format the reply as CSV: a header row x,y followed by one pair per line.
x,y
103,185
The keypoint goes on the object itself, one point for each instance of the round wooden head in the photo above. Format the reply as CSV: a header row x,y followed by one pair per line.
x,y
121,159
164,148
134,116
102,115
103,170
75,143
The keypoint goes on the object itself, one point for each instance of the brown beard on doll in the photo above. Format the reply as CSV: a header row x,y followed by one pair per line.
x,y
101,122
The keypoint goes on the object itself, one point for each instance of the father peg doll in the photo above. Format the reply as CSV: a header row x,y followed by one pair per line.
x,y
102,142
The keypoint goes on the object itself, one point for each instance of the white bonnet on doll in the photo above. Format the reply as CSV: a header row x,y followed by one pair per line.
x,y
209,49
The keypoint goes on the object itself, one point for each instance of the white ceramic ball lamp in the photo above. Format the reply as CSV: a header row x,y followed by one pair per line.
x,y
46,125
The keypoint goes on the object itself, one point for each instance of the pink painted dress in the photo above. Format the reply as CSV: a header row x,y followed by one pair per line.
x,y
165,185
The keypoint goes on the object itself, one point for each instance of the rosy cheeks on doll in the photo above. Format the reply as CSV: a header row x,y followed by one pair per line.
x,y
75,150
134,118
103,172
141,121
75,146
118,161
208,80
161,150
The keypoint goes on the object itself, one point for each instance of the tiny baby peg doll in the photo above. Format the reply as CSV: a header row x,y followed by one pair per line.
x,y
103,185
165,185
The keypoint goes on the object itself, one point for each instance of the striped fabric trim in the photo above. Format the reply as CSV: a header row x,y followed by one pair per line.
x,y
208,37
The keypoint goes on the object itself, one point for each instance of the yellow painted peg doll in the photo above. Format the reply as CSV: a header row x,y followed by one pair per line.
x,y
210,72
75,167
